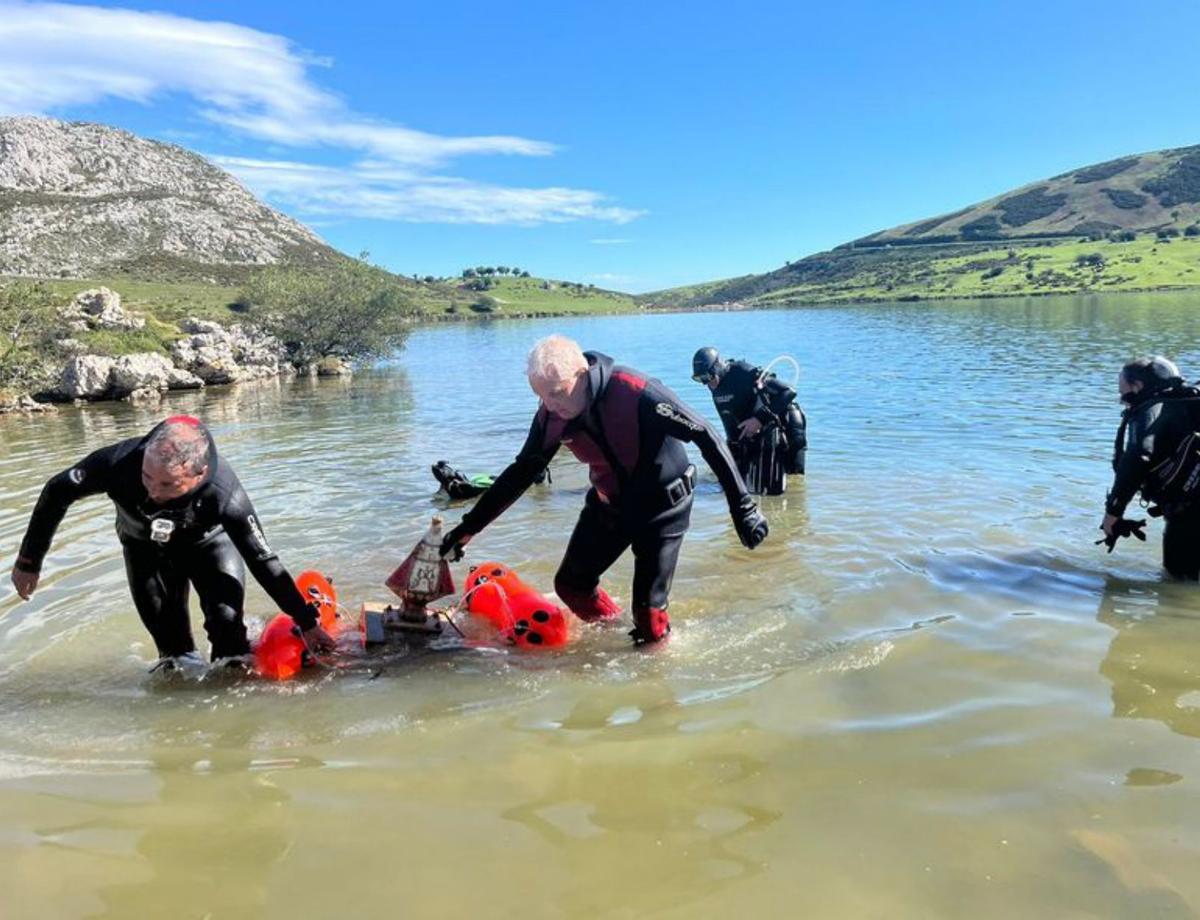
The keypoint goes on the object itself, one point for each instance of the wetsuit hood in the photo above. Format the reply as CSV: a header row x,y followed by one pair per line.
x,y
599,374
1156,374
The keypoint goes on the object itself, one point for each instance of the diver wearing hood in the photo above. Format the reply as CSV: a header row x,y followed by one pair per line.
x,y
630,431
765,429
1156,454
182,518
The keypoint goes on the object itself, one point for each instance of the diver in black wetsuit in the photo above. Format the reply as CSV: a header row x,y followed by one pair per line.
x,y
629,430
182,517
1151,454
765,429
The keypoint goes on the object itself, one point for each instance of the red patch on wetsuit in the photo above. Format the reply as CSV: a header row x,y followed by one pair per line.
x,y
190,420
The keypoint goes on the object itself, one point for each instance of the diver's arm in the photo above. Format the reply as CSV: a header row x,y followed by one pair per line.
x,y
242,524
663,411
90,476
1135,461
511,484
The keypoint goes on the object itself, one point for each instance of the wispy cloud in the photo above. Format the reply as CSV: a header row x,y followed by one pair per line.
x,y
610,242
55,56
378,190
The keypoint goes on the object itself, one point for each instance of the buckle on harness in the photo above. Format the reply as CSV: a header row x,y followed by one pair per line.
x,y
681,488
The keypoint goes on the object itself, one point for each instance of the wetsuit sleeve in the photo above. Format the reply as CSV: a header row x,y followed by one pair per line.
x,y
518,476
241,523
662,410
1148,433
90,476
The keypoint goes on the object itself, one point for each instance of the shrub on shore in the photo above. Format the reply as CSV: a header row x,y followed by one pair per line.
x,y
349,310
27,325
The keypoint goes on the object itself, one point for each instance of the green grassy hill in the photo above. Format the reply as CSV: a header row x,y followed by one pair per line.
x,y
1127,225
219,299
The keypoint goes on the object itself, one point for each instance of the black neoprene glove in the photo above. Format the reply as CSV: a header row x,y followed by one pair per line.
x,y
1124,528
452,543
751,526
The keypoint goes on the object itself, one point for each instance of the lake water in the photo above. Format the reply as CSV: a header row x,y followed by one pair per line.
x,y
927,694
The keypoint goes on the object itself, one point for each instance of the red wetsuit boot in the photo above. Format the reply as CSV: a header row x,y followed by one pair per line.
x,y
651,624
590,608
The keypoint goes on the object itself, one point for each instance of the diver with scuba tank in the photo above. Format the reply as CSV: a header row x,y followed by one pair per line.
x,y
630,431
765,429
1157,452
183,520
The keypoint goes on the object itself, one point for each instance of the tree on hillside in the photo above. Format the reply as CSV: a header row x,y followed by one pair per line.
x,y
349,310
27,323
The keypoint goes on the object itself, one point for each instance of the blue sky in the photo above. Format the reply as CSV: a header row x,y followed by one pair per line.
x,y
630,145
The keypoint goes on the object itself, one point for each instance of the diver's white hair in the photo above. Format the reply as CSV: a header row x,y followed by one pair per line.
x,y
555,358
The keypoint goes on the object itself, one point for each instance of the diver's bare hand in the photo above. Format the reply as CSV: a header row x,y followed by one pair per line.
x,y
25,582
749,428
1107,525
317,640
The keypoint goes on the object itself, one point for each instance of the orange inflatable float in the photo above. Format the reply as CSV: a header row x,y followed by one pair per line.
x,y
280,653
524,616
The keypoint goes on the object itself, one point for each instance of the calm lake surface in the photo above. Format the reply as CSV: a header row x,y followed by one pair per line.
x,y
927,694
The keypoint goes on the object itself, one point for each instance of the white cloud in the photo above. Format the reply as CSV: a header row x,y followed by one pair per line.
x,y
54,55
256,84
378,190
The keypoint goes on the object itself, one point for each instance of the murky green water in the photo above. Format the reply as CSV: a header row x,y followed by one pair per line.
x,y
928,694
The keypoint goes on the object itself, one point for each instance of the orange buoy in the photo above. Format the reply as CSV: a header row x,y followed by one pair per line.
x,y
315,587
279,652
523,615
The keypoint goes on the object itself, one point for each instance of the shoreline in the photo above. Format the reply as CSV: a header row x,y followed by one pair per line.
x,y
26,405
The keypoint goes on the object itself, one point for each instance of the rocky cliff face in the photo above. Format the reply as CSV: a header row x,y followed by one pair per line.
x,y
79,199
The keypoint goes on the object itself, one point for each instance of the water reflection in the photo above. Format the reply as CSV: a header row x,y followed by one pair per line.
x,y
678,821
1153,661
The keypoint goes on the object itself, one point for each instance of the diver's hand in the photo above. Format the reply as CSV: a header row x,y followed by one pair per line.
x,y
25,582
454,541
1121,527
751,525
317,640
749,428
1108,524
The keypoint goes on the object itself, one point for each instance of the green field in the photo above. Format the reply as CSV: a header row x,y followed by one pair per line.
x,y
535,295
944,272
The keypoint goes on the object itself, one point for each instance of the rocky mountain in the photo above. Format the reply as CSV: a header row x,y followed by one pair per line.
x,y
80,199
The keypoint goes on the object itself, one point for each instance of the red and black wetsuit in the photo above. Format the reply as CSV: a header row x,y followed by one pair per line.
x,y
213,529
631,437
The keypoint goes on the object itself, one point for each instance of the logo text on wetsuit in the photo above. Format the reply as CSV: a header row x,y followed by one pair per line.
x,y
259,536
668,411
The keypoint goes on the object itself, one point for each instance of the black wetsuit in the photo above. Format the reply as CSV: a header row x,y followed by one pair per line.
x,y
1152,429
739,396
214,528
631,437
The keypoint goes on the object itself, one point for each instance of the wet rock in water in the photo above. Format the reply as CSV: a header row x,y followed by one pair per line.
x,y
22,404
100,308
333,367
86,377
219,355
147,394
146,371
179,379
